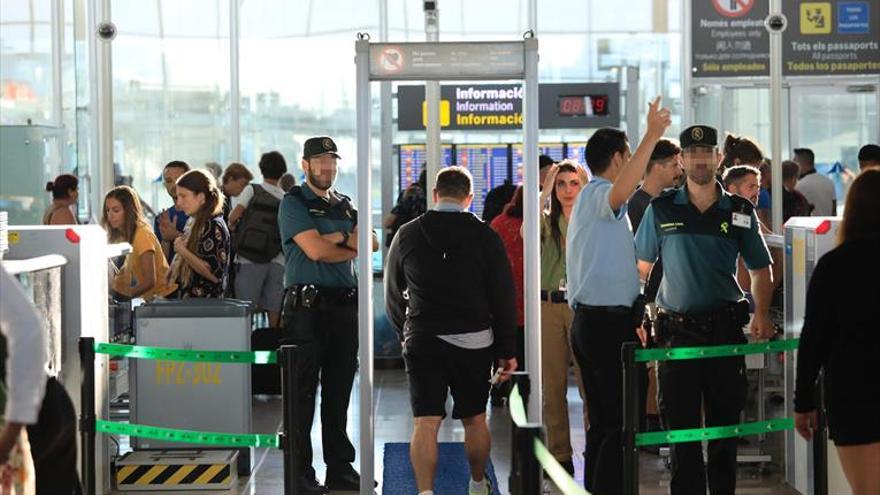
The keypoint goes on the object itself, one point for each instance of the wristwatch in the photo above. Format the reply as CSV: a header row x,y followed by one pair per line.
x,y
344,242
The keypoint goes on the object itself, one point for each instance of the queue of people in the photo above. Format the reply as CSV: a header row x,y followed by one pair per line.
x,y
674,226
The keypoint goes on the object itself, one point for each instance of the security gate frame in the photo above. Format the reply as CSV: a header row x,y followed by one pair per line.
x,y
450,68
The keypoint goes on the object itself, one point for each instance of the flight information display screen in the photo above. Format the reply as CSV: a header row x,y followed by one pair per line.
x,y
576,153
413,158
555,151
487,164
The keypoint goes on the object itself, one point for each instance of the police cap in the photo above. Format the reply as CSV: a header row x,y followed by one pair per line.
x,y
699,135
321,145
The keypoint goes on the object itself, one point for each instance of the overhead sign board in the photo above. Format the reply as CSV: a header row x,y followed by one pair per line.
x,y
728,38
447,61
499,106
832,37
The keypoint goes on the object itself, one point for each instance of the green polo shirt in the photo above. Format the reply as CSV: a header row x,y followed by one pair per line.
x,y
302,210
700,249
552,255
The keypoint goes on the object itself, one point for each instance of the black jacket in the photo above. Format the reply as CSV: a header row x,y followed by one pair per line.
x,y
457,279
839,334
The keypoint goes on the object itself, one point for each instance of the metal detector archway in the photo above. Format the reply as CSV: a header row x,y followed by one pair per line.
x,y
436,61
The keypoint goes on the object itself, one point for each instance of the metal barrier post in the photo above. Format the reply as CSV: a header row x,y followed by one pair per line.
x,y
290,442
630,419
519,379
820,443
87,413
529,476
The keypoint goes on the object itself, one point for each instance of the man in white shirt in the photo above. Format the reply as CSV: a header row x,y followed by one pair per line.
x,y
259,262
818,189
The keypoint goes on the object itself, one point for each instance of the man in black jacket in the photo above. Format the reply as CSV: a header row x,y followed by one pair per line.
x,y
450,296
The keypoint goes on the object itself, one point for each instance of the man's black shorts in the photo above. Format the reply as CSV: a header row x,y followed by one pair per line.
x,y
435,367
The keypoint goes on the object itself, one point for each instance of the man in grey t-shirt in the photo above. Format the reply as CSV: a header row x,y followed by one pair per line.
x,y
818,189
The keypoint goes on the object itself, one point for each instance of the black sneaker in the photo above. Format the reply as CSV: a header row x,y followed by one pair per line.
x,y
345,479
308,485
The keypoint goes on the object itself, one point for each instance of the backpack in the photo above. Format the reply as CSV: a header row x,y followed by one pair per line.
x,y
257,236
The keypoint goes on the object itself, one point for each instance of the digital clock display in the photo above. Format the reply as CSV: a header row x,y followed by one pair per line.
x,y
582,105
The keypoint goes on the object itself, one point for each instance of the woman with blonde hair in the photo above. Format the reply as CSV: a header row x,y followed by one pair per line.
x,y
839,338
145,271
201,265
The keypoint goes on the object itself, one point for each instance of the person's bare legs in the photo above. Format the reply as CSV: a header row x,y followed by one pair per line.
x,y
477,444
423,450
860,467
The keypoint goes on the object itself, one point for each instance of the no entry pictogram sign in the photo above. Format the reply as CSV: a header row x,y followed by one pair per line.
x,y
733,8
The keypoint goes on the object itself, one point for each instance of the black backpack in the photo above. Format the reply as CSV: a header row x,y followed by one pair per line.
x,y
257,237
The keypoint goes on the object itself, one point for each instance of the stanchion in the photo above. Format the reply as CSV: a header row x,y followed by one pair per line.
x,y
519,379
630,419
87,413
820,443
290,441
528,479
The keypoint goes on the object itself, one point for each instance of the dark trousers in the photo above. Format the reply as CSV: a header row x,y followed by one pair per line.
x,y
597,337
328,336
691,390
53,443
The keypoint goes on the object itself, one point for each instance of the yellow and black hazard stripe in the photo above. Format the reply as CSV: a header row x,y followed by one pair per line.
x,y
173,474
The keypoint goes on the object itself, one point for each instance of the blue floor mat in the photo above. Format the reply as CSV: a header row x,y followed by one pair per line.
x,y
452,475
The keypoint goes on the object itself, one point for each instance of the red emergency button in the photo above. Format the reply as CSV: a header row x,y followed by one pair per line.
x,y
71,236
823,227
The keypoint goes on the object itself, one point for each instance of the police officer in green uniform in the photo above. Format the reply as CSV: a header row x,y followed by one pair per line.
x,y
701,229
319,238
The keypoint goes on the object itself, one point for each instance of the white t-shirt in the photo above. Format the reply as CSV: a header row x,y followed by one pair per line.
x,y
27,352
819,191
244,199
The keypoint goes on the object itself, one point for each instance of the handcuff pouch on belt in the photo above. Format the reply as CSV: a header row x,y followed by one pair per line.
x,y
718,327
300,296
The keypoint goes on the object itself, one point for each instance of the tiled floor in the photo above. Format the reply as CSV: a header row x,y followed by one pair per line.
x,y
393,423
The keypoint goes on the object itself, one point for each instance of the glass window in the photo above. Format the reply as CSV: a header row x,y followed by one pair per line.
x,y
631,16
26,61
297,80
171,78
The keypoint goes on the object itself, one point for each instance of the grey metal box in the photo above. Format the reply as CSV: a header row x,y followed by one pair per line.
x,y
195,396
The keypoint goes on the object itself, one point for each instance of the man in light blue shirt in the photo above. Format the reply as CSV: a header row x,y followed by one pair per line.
x,y
603,283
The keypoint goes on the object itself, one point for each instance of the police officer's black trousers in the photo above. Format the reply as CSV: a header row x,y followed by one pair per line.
x,y
328,336
714,389
597,336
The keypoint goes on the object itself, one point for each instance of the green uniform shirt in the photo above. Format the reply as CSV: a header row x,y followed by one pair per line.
x,y
700,249
552,255
302,210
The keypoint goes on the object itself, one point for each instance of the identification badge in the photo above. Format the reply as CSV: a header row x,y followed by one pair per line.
x,y
742,220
